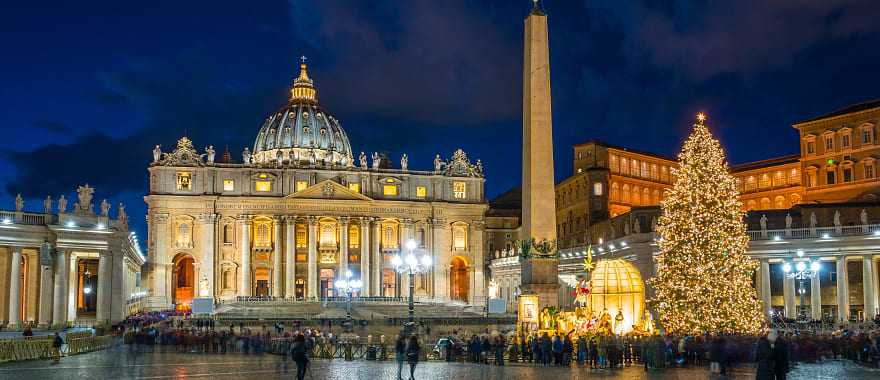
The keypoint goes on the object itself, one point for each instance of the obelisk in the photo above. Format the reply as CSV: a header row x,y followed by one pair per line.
x,y
539,275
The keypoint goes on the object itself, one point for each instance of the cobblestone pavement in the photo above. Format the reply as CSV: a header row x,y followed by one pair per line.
x,y
119,363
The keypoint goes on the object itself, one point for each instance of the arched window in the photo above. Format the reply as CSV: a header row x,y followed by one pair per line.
x,y
765,203
751,205
779,202
625,194
636,196
262,235
646,196
184,235
624,166
227,234
328,235
634,168
389,235
459,237
615,192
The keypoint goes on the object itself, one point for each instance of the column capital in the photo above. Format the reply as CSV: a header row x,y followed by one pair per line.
x,y
208,218
407,222
437,221
344,220
159,218
289,219
312,220
365,220
244,218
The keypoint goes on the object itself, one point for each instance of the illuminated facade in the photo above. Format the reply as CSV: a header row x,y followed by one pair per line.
x,y
300,210
63,266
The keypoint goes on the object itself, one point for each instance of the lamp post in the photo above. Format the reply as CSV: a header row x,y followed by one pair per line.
x,y
801,271
411,265
348,286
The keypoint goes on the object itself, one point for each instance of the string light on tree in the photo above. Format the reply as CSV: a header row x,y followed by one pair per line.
x,y
704,279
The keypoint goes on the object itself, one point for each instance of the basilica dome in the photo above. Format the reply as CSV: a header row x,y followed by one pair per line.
x,y
302,131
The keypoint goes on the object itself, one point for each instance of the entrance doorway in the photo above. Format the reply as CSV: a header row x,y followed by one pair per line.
x,y
300,288
389,283
327,278
261,280
87,287
458,280
184,281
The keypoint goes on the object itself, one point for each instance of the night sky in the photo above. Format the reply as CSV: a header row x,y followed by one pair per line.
x,y
87,89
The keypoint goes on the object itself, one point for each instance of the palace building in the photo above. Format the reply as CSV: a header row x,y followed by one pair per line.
x,y
68,266
820,205
301,209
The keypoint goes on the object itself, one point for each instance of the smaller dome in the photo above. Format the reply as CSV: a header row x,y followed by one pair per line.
x,y
616,277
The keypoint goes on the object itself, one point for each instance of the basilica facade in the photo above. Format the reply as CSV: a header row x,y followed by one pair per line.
x,y
301,210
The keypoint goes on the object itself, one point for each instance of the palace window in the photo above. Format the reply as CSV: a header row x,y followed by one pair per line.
x,y
328,235
811,179
354,186
228,185
847,174
793,177
615,167
389,190
459,190
811,147
779,178
261,238
625,193
829,144
646,196
867,136
421,191
765,203
184,181
645,172
636,196
869,170
664,174
597,189
459,237
750,183
655,173
765,181
779,201
227,234
829,177
263,186
615,192
228,279
389,236
301,185
354,237
844,141
301,236
624,166
634,168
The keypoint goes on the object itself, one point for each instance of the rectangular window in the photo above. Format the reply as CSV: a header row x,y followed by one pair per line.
x,y
866,136
356,187
228,185
829,143
263,186
459,190
869,170
811,180
844,141
389,190
301,237
597,189
421,191
847,175
829,178
301,185
811,147
184,181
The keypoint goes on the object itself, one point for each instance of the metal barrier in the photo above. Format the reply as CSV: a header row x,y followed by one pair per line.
x,y
25,349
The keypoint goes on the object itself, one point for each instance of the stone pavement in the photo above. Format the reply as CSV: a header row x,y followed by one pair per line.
x,y
121,363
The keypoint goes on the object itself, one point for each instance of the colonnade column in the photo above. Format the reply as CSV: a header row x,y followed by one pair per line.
x,y
277,262
15,288
842,290
104,282
209,227
816,296
46,286
788,293
378,259
429,246
476,246
869,281
343,246
59,302
407,233
313,258
765,287
441,260
290,256
159,265
367,290
245,221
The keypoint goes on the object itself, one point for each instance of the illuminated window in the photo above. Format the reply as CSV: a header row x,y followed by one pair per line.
x,y
844,141
228,185
597,189
328,234
356,187
765,181
779,178
645,173
301,185
184,235
793,177
615,192
459,237
829,143
811,147
184,181
421,191
301,237
389,236
615,167
262,236
389,190
869,170
866,136
459,190
263,186
353,237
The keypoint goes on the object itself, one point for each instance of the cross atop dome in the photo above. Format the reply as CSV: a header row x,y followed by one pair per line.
x,y
303,87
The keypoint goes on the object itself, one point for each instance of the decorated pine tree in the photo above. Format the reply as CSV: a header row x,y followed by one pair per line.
x,y
704,279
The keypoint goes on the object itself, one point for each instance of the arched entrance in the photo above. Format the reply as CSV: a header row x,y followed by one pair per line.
x,y
327,277
458,280
184,282
618,288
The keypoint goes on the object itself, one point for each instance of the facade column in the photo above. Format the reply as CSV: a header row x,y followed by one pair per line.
x,y
15,288
869,286
245,222
343,246
312,284
766,294
104,282
842,290
364,229
59,302
209,244
160,264
441,260
47,287
406,234
290,256
277,262
816,297
378,259
476,248
788,293
429,250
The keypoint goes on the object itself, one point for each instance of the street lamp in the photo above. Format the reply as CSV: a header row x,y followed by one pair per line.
x,y
801,271
348,286
411,265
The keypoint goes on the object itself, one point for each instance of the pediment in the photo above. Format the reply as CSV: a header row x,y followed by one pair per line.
x,y
328,189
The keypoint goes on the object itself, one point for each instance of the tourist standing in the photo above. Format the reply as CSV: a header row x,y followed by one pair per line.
x,y
299,354
500,344
57,342
400,354
581,350
567,349
780,358
764,360
413,350
557,350
546,348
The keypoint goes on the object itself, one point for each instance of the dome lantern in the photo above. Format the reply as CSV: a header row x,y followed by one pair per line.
x,y
303,87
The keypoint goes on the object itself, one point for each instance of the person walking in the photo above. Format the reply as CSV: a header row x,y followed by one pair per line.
x,y
780,358
299,354
57,342
413,351
764,360
400,354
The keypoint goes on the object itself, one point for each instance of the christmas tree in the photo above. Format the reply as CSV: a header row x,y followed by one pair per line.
x,y
704,278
